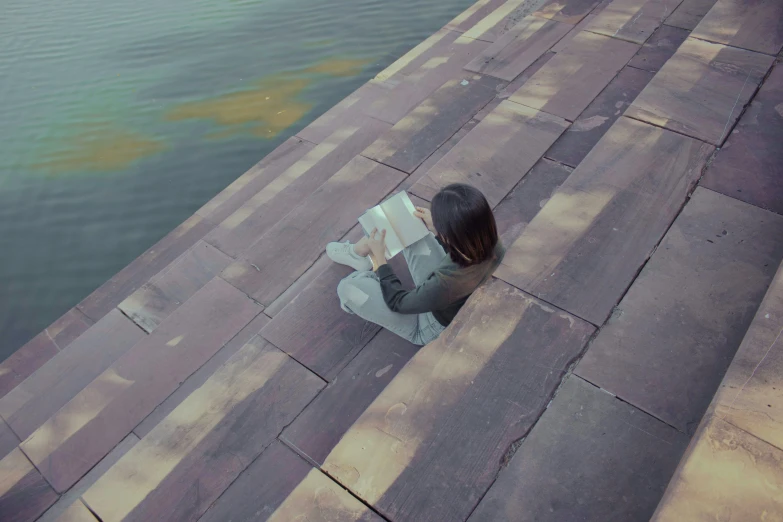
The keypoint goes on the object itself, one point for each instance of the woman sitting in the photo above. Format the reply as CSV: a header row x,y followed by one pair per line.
x,y
446,267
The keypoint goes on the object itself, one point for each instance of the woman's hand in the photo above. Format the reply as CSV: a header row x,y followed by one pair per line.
x,y
425,215
377,245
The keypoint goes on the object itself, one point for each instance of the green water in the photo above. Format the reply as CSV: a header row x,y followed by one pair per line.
x,y
120,119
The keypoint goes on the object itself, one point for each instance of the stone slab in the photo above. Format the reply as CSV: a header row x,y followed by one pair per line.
x,y
414,138
27,359
496,154
8,439
567,84
319,428
572,147
749,24
228,200
689,13
575,30
71,497
201,375
584,248
241,230
657,50
589,457
701,90
516,50
414,77
430,445
496,23
632,20
319,498
295,243
749,166
528,198
77,512
315,331
751,394
727,475
202,446
83,431
261,488
154,301
24,493
144,267
50,388
473,14
667,346
567,11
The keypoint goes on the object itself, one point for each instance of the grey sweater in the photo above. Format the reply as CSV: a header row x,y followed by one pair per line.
x,y
445,290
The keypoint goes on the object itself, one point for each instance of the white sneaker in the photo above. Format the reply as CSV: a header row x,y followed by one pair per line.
x,y
343,253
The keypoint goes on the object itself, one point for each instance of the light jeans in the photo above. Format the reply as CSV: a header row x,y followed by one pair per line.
x,y
360,293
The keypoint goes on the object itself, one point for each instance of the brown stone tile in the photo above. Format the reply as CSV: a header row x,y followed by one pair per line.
x,y
749,24
726,475
675,332
526,200
350,112
414,138
144,267
659,48
516,50
430,444
701,90
749,166
444,149
8,440
152,303
259,214
419,73
71,497
24,494
296,242
496,23
567,84
77,512
474,14
229,421
575,30
310,275
518,82
318,497
572,147
586,245
200,376
27,359
496,154
613,460
689,13
632,20
261,488
83,431
324,422
751,394
567,11
315,331
260,175
39,397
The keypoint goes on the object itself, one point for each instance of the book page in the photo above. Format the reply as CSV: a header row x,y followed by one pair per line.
x,y
399,212
376,218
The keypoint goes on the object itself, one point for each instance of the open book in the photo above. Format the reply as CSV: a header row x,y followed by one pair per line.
x,y
395,215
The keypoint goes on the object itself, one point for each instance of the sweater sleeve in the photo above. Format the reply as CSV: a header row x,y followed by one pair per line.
x,y
433,294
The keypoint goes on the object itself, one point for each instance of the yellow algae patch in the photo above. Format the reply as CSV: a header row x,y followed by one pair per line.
x,y
99,147
343,67
265,110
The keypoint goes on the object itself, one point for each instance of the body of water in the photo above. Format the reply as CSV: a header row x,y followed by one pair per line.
x,y
119,119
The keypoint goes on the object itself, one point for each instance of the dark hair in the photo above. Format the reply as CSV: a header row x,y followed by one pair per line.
x,y
465,224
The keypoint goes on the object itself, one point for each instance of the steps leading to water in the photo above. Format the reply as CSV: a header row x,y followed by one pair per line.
x,y
587,125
